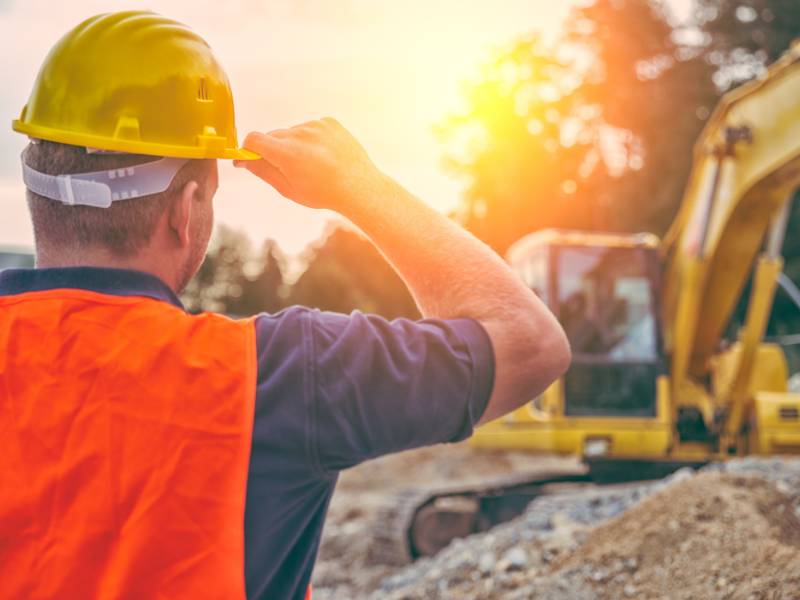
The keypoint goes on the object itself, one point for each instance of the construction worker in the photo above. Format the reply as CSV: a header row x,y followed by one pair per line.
x,y
150,453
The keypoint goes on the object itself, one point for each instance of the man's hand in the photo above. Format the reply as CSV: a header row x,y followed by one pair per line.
x,y
317,164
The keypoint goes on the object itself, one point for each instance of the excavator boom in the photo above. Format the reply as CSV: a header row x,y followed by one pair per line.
x,y
747,167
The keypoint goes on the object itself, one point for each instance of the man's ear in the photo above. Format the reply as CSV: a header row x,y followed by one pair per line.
x,y
180,214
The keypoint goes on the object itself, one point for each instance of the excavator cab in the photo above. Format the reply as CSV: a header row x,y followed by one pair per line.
x,y
604,290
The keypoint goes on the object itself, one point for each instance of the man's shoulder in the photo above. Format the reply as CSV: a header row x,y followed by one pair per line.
x,y
300,321
286,325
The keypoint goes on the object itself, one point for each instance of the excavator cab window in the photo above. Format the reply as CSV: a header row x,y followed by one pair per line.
x,y
605,299
605,302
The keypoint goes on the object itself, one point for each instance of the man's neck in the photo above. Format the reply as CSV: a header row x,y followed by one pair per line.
x,y
49,258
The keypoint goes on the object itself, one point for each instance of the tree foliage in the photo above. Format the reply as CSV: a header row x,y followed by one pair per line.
x,y
346,272
598,139
342,272
236,281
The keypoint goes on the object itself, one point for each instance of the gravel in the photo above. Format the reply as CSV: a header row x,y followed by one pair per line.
x,y
550,526
623,541
782,472
533,555
347,566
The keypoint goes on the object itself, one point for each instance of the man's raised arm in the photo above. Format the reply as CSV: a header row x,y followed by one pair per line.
x,y
450,273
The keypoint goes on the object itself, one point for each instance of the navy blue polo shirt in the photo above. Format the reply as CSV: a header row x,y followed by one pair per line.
x,y
333,390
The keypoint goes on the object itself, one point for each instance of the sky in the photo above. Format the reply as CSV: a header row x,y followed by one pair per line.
x,y
387,70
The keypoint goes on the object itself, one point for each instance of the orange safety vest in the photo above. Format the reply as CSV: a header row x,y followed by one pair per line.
x,y
125,434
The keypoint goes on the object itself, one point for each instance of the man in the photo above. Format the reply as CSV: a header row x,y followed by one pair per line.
x,y
151,453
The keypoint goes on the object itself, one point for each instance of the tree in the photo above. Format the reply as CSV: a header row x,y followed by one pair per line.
x,y
232,280
594,132
507,144
346,272
744,36
265,290
651,97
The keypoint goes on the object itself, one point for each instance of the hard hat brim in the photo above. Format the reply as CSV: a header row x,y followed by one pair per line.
x,y
130,146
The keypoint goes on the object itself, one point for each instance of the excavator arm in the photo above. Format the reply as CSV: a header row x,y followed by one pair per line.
x,y
747,168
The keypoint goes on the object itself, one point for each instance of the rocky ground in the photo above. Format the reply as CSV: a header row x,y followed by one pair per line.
x,y
347,566
730,531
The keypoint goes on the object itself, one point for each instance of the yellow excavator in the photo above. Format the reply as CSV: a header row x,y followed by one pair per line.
x,y
653,385
651,379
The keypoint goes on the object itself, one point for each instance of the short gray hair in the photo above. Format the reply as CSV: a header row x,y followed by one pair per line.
x,y
125,227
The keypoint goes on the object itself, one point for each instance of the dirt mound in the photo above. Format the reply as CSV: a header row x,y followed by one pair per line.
x,y
712,536
729,532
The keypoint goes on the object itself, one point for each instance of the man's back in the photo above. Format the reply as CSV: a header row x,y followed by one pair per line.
x,y
126,423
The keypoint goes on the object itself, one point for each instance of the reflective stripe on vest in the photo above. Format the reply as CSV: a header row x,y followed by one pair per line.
x,y
125,433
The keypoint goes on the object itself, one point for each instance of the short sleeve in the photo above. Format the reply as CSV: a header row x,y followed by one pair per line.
x,y
385,386
335,390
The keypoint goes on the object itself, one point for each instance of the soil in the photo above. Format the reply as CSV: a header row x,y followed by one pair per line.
x,y
731,531
711,536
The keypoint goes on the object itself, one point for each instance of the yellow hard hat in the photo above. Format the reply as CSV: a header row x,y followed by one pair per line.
x,y
134,82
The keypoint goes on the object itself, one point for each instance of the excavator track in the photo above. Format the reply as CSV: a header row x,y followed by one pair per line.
x,y
420,521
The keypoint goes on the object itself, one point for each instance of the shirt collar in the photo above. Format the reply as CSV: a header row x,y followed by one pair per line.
x,y
115,282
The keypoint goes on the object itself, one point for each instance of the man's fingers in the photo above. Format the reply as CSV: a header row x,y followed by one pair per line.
x,y
330,121
303,131
280,133
271,146
269,173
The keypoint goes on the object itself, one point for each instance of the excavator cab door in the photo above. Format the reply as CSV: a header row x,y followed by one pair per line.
x,y
606,299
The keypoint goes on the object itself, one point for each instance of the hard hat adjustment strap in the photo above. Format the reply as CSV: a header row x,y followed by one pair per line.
x,y
101,188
